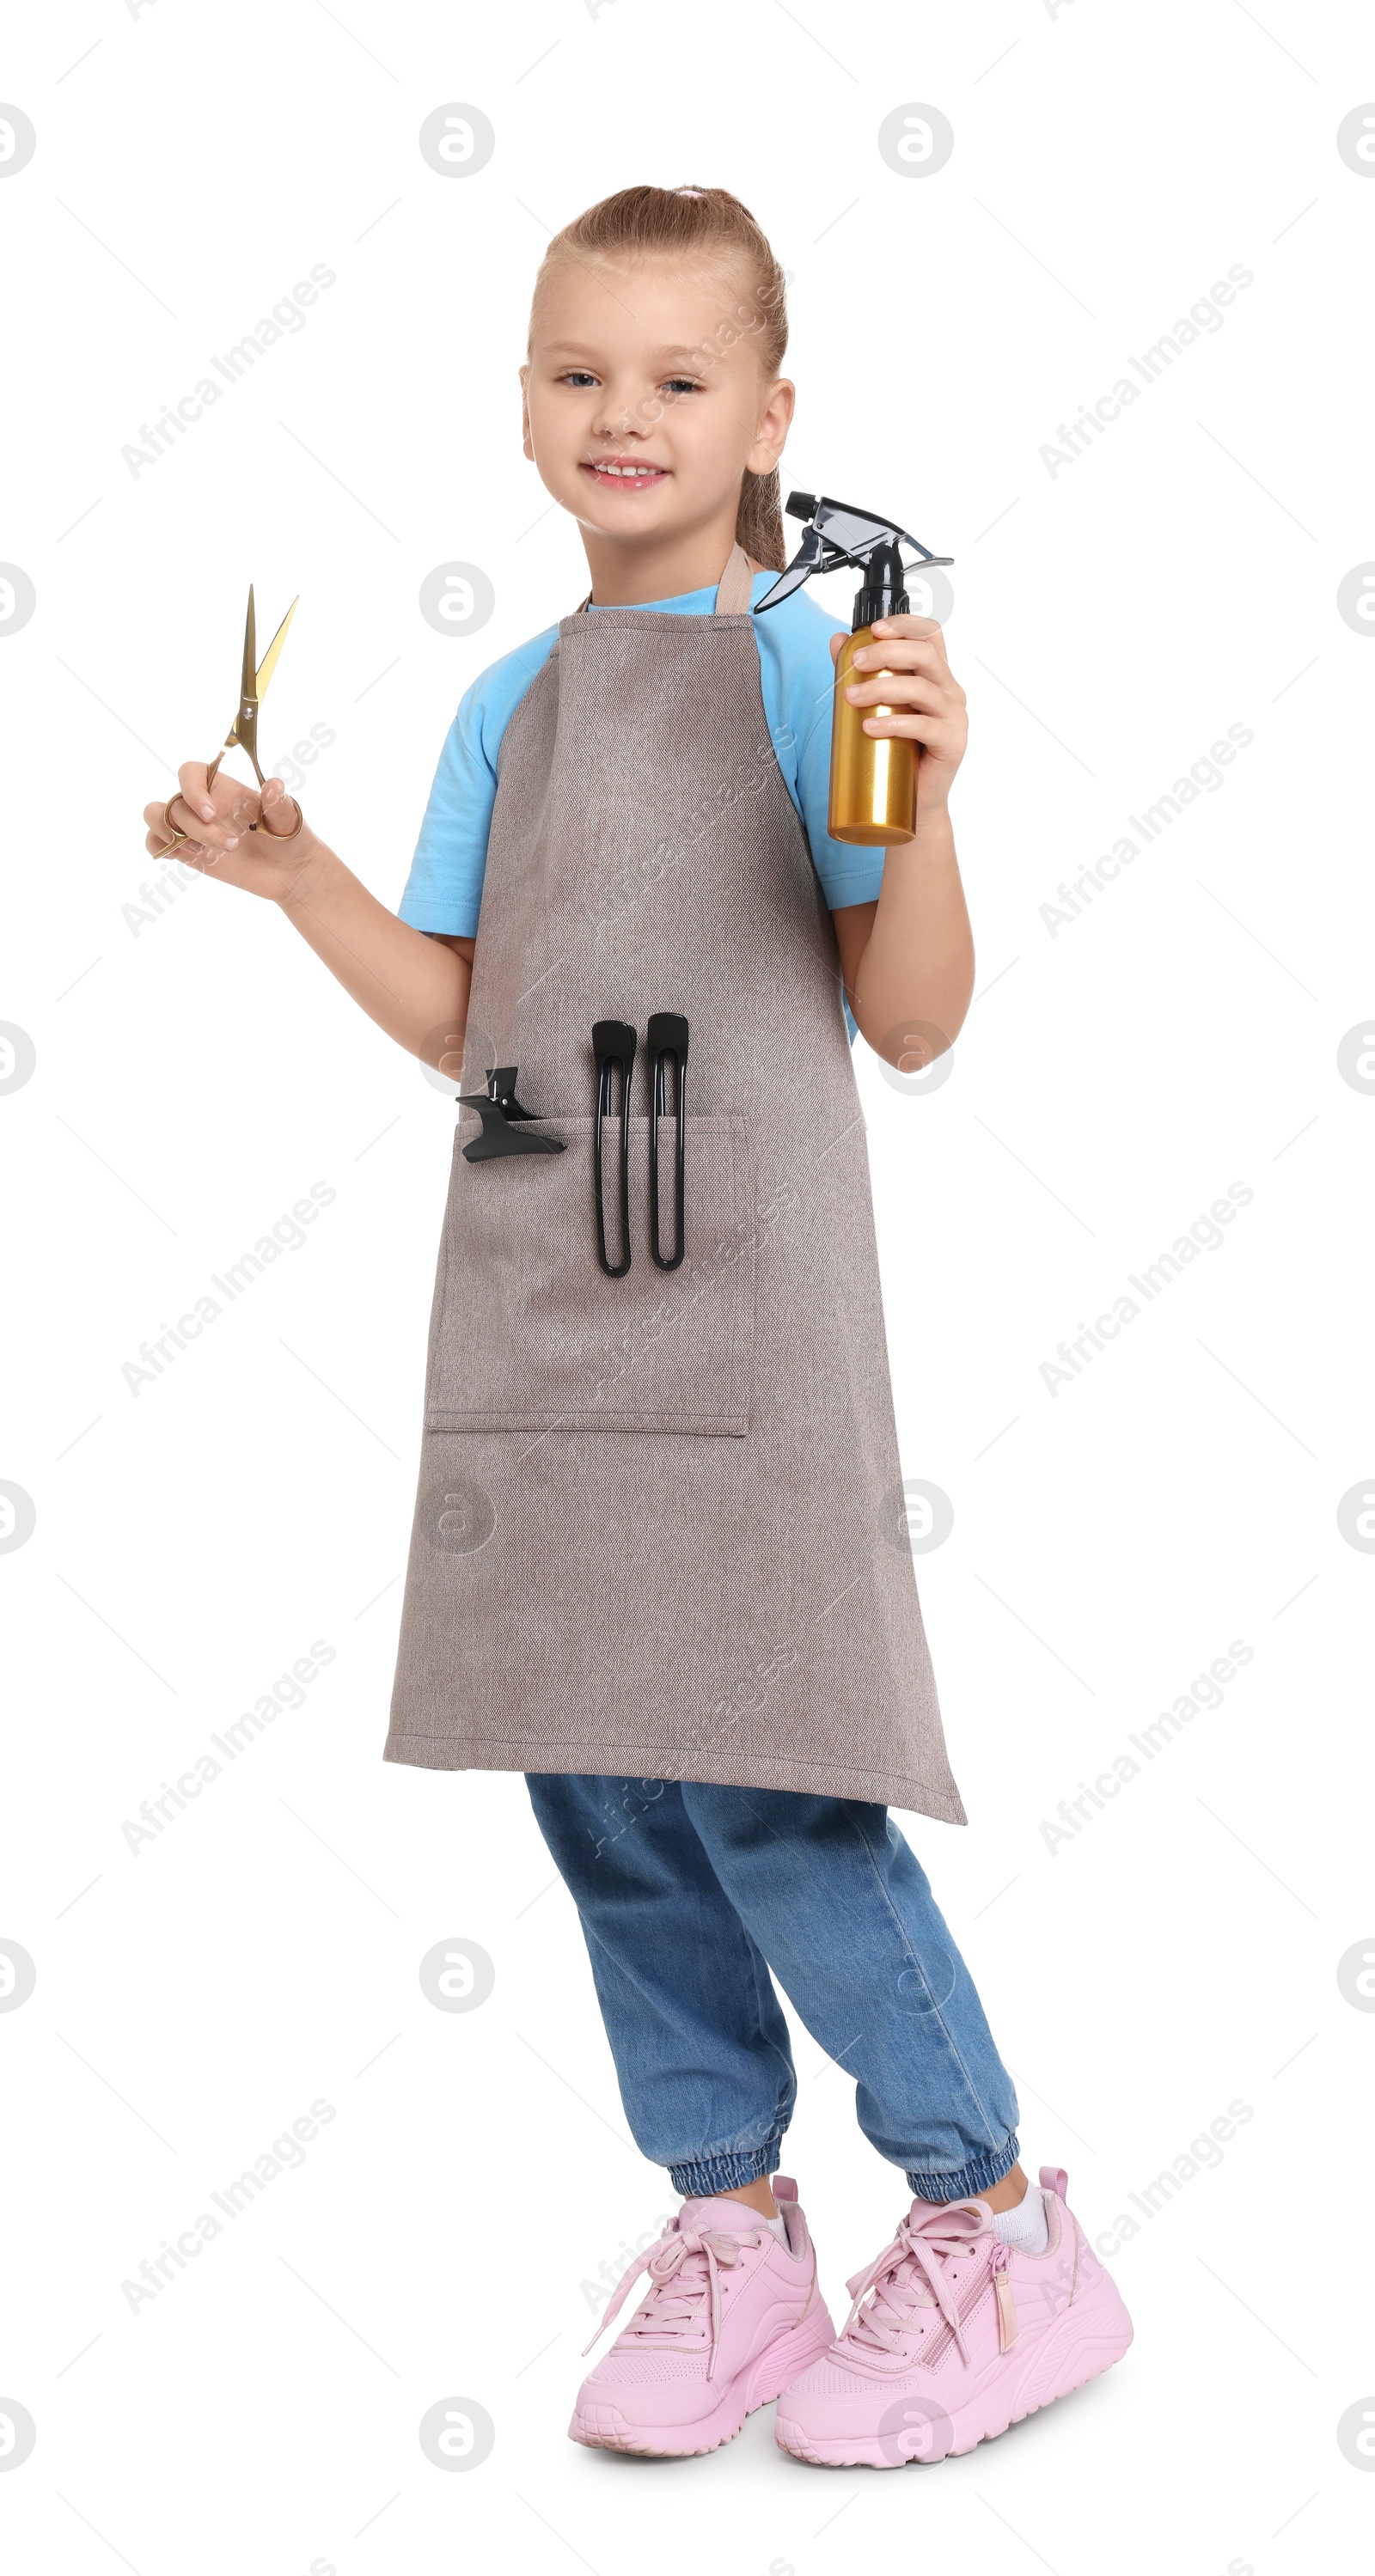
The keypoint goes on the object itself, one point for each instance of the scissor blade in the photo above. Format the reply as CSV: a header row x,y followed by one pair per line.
x,y
268,663
249,681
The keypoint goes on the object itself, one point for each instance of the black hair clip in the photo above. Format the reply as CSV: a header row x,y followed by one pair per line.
x,y
497,1107
668,1036
613,1042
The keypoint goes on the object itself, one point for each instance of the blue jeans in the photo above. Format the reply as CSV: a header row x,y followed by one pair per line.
x,y
689,1894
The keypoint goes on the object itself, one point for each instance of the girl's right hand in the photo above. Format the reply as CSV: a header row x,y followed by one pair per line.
x,y
222,845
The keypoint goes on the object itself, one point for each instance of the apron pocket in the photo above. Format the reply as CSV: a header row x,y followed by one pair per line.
x,y
531,1335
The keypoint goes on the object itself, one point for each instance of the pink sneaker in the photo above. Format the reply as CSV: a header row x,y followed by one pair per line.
x,y
729,2318
952,2337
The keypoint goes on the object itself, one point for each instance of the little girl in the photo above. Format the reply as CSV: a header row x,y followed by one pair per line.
x,y
660,1494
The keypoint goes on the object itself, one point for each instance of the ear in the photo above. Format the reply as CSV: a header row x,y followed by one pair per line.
x,y
775,421
525,438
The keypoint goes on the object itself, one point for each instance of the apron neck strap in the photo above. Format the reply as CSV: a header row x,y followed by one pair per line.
x,y
733,589
733,594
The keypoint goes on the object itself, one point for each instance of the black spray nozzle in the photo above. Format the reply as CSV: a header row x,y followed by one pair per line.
x,y
883,592
836,534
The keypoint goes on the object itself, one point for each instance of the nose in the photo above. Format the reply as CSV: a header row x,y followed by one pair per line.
x,y
615,419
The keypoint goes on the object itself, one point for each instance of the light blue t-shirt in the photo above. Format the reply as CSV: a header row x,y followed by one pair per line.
x,y
444,888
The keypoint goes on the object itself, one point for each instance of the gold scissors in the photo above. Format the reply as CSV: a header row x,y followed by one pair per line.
x,y
244,729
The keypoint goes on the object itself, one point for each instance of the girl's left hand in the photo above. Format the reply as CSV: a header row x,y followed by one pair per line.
x,y
927,701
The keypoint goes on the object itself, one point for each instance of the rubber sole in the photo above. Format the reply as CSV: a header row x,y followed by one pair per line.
x,y
1084,2341
601,2426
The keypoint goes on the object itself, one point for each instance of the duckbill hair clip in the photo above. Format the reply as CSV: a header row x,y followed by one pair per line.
x,y
497,1107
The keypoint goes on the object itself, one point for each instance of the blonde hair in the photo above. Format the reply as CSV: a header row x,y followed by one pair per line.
x,y
684,222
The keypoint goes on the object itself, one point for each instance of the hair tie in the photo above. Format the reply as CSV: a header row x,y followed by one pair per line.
x,y
689,192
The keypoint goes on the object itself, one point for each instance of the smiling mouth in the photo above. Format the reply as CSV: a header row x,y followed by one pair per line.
x,y
624,474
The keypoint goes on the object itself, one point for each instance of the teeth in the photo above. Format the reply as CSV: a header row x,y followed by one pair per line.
x,y
629,473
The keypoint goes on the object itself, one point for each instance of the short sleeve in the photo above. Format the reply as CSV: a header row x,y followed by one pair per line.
x,y
444,889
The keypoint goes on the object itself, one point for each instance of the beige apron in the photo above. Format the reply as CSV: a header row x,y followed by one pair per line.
x,y
659,1523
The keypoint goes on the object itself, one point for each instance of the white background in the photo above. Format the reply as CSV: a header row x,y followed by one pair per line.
x,y
196,1073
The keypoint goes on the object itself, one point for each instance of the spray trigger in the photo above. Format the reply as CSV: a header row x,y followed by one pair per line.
x,y
836,534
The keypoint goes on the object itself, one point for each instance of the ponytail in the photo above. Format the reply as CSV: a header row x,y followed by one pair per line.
x,y
759,520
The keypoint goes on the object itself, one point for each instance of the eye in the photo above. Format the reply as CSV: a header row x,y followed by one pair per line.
x,y
578,377
681,385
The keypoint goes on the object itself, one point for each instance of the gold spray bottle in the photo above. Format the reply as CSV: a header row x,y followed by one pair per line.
x,y
873,776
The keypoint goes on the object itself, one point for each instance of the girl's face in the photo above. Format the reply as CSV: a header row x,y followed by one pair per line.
x,y
645,400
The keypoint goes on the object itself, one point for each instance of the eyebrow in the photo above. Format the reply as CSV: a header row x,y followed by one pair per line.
x,y
580,349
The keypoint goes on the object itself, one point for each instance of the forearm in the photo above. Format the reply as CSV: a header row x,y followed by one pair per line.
x,y
917,963
414,987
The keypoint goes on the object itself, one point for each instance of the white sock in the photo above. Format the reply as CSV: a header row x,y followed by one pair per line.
x,y
737,2215
1025,2226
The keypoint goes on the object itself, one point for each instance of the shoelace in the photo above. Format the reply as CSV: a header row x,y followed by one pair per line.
x,y
687,2259
910,2274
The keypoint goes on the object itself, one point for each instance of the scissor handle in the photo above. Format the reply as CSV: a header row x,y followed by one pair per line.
x,y
668,1036
211,775
613,1042
234,744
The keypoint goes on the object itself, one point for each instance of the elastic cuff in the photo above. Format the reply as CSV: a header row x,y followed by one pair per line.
x,y
707,2175
978,2175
